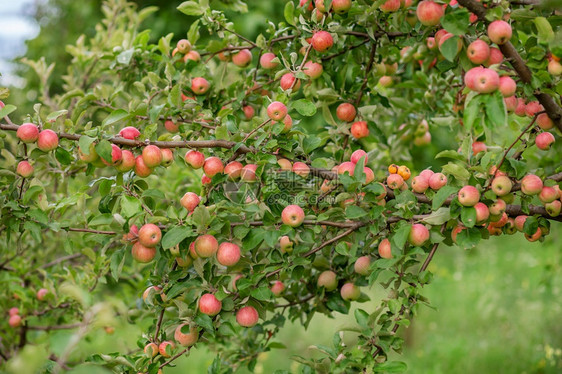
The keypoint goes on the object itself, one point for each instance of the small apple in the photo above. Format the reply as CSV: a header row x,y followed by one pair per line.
x,y
213,166
359,129
151,349
206,245
469,196
242,58
548,194
544,121
520,222
346,112
429,13
510,103
285,164
167,157
141,169
341,6
277,288
276,111
427,174
152,156
390,6
482,212
349,291
233,170
419,234
150,235
285,244
195,159
520,109
531,185
499,32
129,132
228,254
266,61
193,56
404,172
532,108
544,140
507,86
186,335
395,181
91,156
385,249
143,254
209,305
554,67
362,265
322,41
13,311
171,126
478,52
165,348
536,236
369,175
357,155
498,207
419,184
47,140
14,321
247,316
313,69
248,173
42,293
190,201
25,169
199,86
183,46
301,169
328,280
116,156
478,147
292,215
249,112
289,81
346,167
496,57
28,133
502,185
553,208
127,161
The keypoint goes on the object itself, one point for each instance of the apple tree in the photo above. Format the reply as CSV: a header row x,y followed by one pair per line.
x,y
234,184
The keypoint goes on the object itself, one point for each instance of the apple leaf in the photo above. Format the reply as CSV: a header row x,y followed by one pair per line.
x,y
495,109
115,116
441,196
9,108
450,48
191,8
456,21
103,149
304,107
468,216
438,217
289,13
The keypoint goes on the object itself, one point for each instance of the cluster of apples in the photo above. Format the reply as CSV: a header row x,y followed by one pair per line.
x,y
47,140
278,112
213,166
144,241
124,160
349,166
346,112
520,108
184,47
15,319
338,7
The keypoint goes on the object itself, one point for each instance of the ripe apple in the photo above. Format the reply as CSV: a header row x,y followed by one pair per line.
x,y
439,34
248,112
394,181
209,305
127,161
437,180
532,108
313,69
199,86
469,196
91,156
429,13
478,147
419,234
544,140
499,32
205,180
167,157
150,235
510,103
183,46
544,121
42,293
165,348
242,58
116,156
478,52
502,185
47,140
195,159
486,80
171,126
384,248
213,166
14,321
497,208
285,164
292,215
359,129
233,170
430,42
369,175
141,169
206,245
13,311
289,81
322,41
129,132
507,86
151,349
531,185
328,280
346,112
25,169
427,174
247,316
277,288
554,67
553,208
419,184
536,236
190,201
520,108
390,6
520,222
152,156
266,61
286,244
228,254
362,265
276,111
192,55
341,6
28,133
357,155
496,57
287,121
248,173
349,291
548,194
346,167
186,335
301,169
404,172
143,254
482,212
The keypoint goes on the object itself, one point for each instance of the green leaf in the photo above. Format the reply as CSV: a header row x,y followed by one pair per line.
x,y
450,154
103,149
289,13
546,34
354,212
84,143
441,196
401,236
468,216
495,109
438,217
7,110
116,263
63,156
391,367
175,236
130,206
458,171
191,8
310,143
115,116
450,48
54,115
456,21
362,317
262,293
205,321
304,107
471,115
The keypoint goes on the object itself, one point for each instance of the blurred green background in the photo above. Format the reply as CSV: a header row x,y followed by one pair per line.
x,y
497,307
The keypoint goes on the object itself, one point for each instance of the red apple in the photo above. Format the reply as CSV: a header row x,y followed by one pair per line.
x,y
357,155
350,291
183,46
544,121
419,184
544,140
186,335
531,185
478,147
437,180
195,159
13,311
25,169
248,112
209,305
285,244
502,185
482,212
47,140
277,288
497,208
426,174
247,316
42,293
478,52
328,280
242,58
322,41
14,321
285,164
390,6
548,194
141,169
228,254
499,32
171,126
129,132
553,208
359,129
301,169
313,69
419,234
346,167
346,112
507,86
429,13
233,170
206,246
28,133
192,55
143,254
152,156
127,161
248,173
165,348
266,61
276,111
151,349
510,103
384,249
362,265
150,235
116,156
190,201
289,81
213,166
496,57
341,6
292,215
369,175
469,196
395,181
199,86
167,157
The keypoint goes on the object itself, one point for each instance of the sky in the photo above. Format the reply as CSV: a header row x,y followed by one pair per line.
x,y
16,26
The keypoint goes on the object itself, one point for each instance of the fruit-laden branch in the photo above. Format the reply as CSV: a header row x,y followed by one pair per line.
x,y
553,110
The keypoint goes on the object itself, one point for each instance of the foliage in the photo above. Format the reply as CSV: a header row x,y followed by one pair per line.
x,y
71,224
